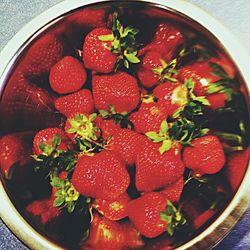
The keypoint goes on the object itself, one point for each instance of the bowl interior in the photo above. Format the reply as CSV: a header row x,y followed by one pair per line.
x,y
27,106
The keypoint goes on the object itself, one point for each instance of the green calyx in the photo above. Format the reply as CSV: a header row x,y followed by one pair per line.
x,y
225,85
162,136
66,195
173,217
123,42
167,71
49,149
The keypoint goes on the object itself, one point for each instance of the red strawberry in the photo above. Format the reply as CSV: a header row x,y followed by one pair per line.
x,y
217,100
155,170
148,78
112,210
205,155
46,136
166,39
125,144
44,209
145,211
79,102
108,127
148,118
67,76
106,234
119,89
27,105
173,191
15,148
42,55
171,96
236,167
101,176
96,55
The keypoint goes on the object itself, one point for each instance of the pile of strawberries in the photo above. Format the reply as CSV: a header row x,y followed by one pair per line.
x,y
134,121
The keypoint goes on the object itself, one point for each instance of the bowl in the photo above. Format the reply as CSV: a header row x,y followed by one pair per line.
x,y
60,21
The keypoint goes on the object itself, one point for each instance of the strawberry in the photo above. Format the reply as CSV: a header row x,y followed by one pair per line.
x,y
44,209
15,149
173,191
202,218
27,105
236,167
149,117
155,170
96,55
106,234
44,141
112,210
42,55
201,74
125,144
145,211
101,176
119,89
205,155
166,39
67,76
108,127
171,96
148,78
78,102
217,100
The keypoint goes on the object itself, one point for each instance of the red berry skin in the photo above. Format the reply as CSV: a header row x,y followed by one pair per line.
x,y
217,100
166,39
150,61
113,210
78,102
144,212
101,176
42,55
201,74
108,127
44,209
119,89
171,96
173,191
27,105
125,144
112,235
15,148
155,171
148,118
96,55
205,156
45,136
236,167
67,76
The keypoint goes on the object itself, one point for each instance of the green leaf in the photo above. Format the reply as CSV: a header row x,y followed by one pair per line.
x,y
178,112
56,141
131,57
112,109
45,148
158,71
189,83
104,113
164,128
170,229
57,182
129,29
163,63
92,117
202,100
106,38
126,63
166,145
218,70
70,207
58,201
154,136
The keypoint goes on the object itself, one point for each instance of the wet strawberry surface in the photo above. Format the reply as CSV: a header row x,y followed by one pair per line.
x,y
123,139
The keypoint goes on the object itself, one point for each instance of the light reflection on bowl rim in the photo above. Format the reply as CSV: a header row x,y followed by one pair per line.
x,y
224,223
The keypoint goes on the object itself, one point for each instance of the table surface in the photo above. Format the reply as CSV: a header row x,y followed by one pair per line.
x,y
234,15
